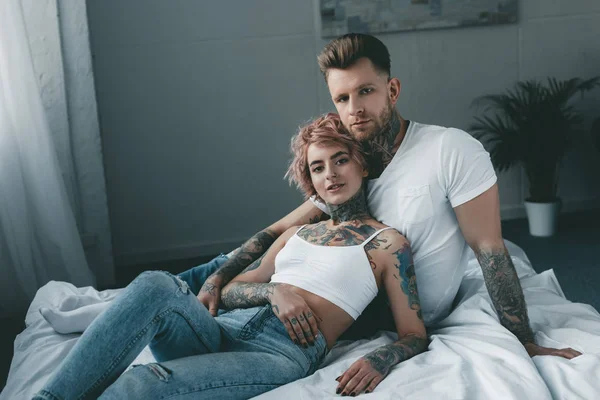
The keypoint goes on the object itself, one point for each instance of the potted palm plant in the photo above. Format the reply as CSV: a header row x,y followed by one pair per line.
x,y
534,126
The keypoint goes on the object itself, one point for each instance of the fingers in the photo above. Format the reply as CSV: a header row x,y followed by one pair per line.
x,y
364,384
360,377
312,321
373,384
212,309
349,382
210,296
567,353
290,330
307,328
343,380
297,327
352,388
204,300
361,381
210,302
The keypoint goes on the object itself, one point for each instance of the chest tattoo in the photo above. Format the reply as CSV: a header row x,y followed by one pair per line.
x,y
349,235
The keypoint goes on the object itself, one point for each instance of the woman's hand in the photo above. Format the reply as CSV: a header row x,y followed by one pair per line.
x,y
291,309
364,374
210,295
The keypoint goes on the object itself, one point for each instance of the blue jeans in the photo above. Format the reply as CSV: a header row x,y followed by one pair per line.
x,y
237,355
195,277
377,316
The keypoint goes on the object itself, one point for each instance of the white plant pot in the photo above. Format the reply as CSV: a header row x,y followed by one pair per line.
x,y
543,217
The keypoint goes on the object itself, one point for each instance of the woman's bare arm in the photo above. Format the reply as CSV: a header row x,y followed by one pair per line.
x,y
251,251
252,288
400,282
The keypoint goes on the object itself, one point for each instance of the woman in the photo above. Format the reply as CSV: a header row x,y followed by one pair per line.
x,y
288,308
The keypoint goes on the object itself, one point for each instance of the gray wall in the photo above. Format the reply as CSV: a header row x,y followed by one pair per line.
x,y
198,100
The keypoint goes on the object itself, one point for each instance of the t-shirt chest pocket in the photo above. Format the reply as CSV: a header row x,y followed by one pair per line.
x,y
414,204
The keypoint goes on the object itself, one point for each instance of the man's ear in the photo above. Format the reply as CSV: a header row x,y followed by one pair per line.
x,y
394,87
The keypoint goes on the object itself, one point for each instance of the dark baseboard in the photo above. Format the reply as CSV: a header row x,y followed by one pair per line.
x,y
11,327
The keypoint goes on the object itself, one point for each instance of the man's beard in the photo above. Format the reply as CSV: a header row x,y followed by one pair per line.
x,y
381,125
377,145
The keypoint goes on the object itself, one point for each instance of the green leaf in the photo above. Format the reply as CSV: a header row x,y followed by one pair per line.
x,y
533,125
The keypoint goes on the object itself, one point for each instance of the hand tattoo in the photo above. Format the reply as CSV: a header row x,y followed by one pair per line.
x,y
209,288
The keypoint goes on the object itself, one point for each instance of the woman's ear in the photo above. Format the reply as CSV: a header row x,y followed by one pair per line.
x,y
365,173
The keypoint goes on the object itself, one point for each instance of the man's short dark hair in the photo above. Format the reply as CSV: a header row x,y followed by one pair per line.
x,y
346,50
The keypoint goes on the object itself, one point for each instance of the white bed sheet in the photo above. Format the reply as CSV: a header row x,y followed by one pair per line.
x,y
471,356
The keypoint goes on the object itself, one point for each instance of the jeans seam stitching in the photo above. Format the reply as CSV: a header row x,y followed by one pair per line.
x,y
46,393
122,353
189,320
200,388
250,330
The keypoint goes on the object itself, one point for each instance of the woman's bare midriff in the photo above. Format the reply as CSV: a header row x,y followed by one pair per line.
x,y
332,320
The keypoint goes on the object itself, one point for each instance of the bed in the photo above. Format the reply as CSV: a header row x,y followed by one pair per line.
x,y
471,356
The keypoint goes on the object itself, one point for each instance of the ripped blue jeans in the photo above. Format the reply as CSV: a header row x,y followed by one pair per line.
x,y
237,355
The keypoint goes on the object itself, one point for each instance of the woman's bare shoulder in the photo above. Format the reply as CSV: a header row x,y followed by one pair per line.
x,y
388,245
392,236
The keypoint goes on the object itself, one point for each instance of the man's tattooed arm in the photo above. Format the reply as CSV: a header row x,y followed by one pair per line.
x,y
505,291
383,358
250,251
247,294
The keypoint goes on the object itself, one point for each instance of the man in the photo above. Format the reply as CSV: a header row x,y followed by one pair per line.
x,y
435,185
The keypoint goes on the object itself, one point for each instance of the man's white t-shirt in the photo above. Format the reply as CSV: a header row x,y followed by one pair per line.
x,y
434,170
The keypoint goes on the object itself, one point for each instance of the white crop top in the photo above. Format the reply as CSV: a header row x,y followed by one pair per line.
x,y
339,274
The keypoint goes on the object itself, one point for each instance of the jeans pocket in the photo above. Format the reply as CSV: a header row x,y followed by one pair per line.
x,y
256,324
315,354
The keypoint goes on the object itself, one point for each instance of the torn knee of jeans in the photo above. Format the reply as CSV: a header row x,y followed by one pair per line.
x,y
161,372
183,286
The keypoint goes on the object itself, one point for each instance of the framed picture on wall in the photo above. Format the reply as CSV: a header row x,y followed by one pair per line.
x,y
376,16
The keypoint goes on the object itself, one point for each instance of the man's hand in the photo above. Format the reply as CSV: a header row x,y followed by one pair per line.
x,y
210,295
292,310
535,350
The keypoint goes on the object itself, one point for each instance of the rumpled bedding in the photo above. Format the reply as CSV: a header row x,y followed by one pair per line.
x,y
471,356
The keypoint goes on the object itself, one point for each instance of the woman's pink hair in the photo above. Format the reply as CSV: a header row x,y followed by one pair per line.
x,y
327,130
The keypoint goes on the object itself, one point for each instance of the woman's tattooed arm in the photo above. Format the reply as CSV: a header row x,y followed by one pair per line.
x,y
247,294
250,251
385,357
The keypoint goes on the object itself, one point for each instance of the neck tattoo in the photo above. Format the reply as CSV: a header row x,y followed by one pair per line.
x,y
383,146
353,209
385,141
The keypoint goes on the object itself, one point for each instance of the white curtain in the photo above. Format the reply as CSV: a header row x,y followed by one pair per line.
x,y
39,240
